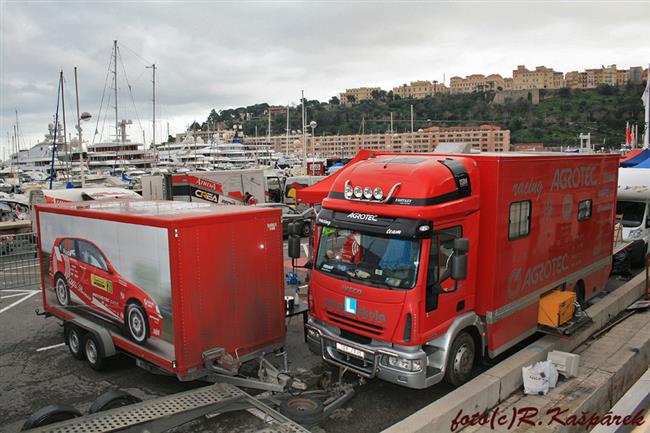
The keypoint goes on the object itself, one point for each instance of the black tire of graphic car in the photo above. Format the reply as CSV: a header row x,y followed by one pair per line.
x,y
461,360
112,399
303,410
62,291
49,415
305,231
94,351
74,337
136,322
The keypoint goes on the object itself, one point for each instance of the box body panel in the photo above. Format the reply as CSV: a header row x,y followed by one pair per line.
x,y
205,276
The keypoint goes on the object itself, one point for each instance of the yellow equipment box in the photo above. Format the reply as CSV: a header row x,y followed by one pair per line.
x,y
556,308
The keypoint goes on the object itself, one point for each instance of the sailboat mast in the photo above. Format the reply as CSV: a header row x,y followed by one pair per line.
x,y
115,87
153,121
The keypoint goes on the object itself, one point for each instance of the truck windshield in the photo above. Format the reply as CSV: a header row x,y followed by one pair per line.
x,y
372,260
630,213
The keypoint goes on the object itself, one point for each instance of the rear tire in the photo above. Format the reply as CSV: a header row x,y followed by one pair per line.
x,y
461,360
62,291
137,323
50,414
74,338
94,352
113,399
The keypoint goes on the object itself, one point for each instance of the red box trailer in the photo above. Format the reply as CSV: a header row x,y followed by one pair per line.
x,y
426,262
188,287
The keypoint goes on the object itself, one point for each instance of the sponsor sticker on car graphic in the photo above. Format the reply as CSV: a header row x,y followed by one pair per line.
x,y
101,283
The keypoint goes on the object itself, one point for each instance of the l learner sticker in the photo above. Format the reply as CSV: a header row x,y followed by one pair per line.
x,y
101,283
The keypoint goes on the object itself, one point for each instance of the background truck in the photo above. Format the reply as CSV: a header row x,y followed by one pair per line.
x,y
168,283
426,262
633,206
224,186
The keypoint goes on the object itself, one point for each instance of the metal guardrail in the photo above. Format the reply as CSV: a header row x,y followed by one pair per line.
x,y
19,267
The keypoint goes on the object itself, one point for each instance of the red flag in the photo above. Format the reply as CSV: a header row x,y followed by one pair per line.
x,y
628,134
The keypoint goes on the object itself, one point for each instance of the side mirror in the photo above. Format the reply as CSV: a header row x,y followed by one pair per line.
x,y
647,223
294,240
459,259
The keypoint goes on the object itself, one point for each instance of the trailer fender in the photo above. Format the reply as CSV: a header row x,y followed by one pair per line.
x,y
470,322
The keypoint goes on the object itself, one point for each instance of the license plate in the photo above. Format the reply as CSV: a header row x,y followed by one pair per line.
x,y
350,350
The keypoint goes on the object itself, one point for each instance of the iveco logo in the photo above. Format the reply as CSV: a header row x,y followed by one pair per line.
x,y
352,290
362,216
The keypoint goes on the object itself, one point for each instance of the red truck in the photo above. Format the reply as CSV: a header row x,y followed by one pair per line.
x,y
169,283
426,262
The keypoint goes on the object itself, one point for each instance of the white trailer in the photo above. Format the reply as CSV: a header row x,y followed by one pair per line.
x,y
633,204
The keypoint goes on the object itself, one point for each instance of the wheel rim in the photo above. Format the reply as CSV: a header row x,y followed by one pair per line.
x,y
61,292
73,341
302,405
136,324
91,351
463,359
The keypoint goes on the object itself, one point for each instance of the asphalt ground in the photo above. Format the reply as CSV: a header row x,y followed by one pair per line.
x,y
36,369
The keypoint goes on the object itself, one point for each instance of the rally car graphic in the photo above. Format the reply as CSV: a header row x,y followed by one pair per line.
x,y
78,266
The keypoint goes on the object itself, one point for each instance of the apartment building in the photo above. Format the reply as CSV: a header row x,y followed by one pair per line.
x,y
610,75
357,94
483,138
478,83
420,89
541,78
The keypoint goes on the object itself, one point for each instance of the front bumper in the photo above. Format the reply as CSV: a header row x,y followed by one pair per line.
x,y
373,363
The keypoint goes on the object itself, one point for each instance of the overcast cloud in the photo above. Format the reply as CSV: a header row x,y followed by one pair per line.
x,y
231,54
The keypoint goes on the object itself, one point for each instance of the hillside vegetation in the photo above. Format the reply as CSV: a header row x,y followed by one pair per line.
x,y
557,120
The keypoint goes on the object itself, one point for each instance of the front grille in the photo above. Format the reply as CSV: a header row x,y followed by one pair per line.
x,y
355,337
355,324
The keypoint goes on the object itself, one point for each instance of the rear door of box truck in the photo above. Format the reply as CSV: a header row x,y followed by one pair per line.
x,y
228,285
553,225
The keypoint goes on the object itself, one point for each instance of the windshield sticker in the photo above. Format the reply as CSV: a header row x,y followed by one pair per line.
x,y
328,231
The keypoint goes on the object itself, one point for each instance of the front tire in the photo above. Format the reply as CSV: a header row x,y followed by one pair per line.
x,y
74,339
461,360
137,324
62,291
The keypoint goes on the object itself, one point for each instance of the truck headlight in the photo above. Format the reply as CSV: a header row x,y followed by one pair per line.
x,y
403,364
635,234
348,191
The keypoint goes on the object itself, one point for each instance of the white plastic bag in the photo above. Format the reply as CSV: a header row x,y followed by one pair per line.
x,y
539,378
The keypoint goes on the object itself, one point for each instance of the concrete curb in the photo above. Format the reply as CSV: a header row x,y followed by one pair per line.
x,y
496,384
636,398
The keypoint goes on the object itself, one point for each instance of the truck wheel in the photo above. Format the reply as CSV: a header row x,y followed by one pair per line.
x,y
303,410
461,360
112,399
50,414
62,291
73,339
137,325
305,231
94,352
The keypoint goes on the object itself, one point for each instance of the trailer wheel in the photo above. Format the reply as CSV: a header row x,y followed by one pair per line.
x,y
94,351
305,230
112,399
73,339
461,360
303,410
62,291
50,414
137,325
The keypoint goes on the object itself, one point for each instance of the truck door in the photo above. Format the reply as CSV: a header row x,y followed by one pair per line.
x,y
441,304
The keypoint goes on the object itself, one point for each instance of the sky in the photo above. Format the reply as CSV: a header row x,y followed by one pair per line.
x,y
220,55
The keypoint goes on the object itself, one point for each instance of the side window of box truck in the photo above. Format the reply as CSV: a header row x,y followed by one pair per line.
x,y
584,210
519,220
